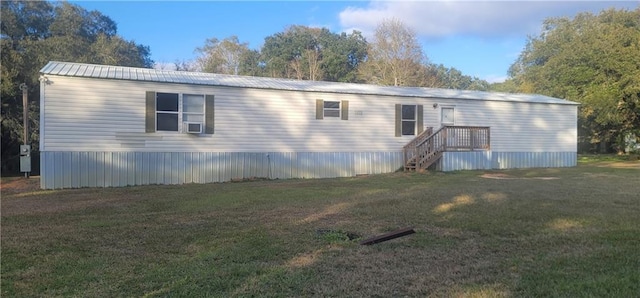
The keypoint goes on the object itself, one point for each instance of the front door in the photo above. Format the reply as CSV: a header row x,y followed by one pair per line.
x,y
447,118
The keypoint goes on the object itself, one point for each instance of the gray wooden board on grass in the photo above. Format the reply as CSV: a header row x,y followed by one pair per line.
x,y
388,236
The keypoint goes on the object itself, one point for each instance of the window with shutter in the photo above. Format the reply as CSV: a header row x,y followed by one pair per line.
x,y
179,112
409,120
332,109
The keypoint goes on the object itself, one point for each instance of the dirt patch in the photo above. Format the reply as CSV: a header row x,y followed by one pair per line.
x,y
14,185
496,176
57,201
619,165
505,176
23,196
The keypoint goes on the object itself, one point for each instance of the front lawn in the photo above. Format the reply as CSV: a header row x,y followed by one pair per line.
x,y
570,232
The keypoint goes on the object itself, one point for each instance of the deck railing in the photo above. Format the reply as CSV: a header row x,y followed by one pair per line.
x,y
421,154
411,149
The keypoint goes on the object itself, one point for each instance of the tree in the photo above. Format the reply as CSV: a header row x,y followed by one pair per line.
x,y
250,64
313,54
222,56
184,65
591,59
439,76
294,53
508,86
35,32
114,50
394,57
342,56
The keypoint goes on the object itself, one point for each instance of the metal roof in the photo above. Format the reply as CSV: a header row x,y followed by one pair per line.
x,y
210,79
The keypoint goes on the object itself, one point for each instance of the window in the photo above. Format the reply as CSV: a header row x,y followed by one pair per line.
x,y
408,120
192,108
173,109
167,112
179,112
332,109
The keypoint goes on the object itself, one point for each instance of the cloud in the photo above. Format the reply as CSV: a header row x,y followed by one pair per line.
x,y
487,19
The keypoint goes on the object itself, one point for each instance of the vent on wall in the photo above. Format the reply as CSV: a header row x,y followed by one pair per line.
x,y
193,127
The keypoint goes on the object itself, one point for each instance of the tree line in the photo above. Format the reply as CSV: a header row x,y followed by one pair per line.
x,y
393,58
593,59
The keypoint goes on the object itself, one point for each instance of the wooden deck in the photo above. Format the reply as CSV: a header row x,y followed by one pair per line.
x,y
427,148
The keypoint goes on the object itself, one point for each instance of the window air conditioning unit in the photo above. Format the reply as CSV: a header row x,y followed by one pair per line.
x,y
193,127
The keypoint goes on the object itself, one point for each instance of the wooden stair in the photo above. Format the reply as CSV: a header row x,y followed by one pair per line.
x,y
425,162
411,149
428,148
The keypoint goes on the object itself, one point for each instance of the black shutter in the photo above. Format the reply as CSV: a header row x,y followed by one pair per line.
x,y
419,121
319,109
209,114
345,110
398,120
150,118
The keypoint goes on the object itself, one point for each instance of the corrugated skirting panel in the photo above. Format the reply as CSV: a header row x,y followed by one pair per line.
x,y
472,160
107,169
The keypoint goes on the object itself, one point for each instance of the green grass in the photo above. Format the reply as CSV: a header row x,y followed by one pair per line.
x,y
588,158
570,232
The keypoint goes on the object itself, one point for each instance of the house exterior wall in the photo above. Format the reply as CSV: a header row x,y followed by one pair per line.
x,y
518,126
83,114
93,134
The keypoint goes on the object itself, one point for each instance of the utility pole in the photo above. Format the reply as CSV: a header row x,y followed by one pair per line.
x,y
25,113
25,149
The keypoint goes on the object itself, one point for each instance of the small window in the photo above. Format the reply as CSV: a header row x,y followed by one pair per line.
x,y
192,108
408,120
332,109
167,111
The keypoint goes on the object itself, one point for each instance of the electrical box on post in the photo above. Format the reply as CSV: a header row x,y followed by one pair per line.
x,y
25,158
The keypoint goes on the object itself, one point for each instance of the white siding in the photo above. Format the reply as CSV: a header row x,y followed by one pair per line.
x,y
108,115
516,126
84,114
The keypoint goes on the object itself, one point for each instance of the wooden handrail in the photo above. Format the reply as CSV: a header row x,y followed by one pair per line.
x,y
410,149
420,138
463,137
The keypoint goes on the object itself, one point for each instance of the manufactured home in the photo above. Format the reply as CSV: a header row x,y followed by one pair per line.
x,y
103,126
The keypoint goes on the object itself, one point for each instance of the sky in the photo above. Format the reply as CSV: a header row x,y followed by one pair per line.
x,y
479,38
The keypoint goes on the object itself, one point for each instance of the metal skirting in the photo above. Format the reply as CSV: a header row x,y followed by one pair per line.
x,y
475,160
108,169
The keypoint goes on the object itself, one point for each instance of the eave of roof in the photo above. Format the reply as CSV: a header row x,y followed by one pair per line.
x,y
210,79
